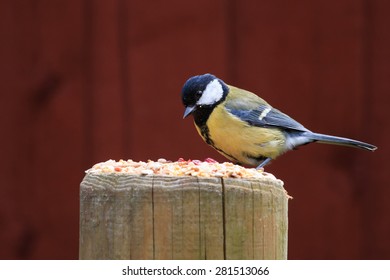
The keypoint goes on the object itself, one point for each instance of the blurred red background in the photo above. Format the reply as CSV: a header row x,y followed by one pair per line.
x,y
87,81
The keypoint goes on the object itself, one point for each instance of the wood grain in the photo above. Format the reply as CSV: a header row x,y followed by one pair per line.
x,y
166,217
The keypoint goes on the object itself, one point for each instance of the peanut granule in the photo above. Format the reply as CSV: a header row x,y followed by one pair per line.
x,y
181,167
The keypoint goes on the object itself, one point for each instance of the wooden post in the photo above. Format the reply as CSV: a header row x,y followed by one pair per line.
x,y
166,217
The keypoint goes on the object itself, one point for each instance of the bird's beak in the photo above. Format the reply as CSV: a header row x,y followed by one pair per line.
x,y
188,111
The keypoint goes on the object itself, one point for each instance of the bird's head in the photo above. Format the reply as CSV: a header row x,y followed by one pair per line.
x,y
202,91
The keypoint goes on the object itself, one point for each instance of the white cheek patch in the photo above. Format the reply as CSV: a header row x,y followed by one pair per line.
x,y
213,93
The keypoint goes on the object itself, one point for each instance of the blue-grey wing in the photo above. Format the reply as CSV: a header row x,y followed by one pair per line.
x,y
266,116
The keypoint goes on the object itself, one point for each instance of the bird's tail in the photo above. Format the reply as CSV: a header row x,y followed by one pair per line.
x,y
329,139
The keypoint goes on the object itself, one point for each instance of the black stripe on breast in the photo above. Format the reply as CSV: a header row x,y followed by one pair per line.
x,y
204,130
202,114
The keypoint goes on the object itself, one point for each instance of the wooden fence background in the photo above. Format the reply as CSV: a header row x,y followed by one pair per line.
x,y
86,81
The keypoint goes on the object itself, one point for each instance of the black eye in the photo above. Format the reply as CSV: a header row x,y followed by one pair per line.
x,y
198,94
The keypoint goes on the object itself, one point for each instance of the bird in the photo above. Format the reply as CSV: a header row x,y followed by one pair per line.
x,y
243,127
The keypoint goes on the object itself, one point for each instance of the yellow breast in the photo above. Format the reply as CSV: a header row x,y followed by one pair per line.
x,y
241,141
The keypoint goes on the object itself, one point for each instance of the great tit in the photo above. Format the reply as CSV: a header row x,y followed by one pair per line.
x,y
245,128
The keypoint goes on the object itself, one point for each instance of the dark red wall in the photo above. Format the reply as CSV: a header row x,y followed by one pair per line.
x,y
86,81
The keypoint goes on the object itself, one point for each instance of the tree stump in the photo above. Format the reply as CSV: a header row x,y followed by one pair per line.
x,y
126,216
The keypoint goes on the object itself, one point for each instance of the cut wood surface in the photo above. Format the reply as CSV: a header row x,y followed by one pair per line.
x,y
166,217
